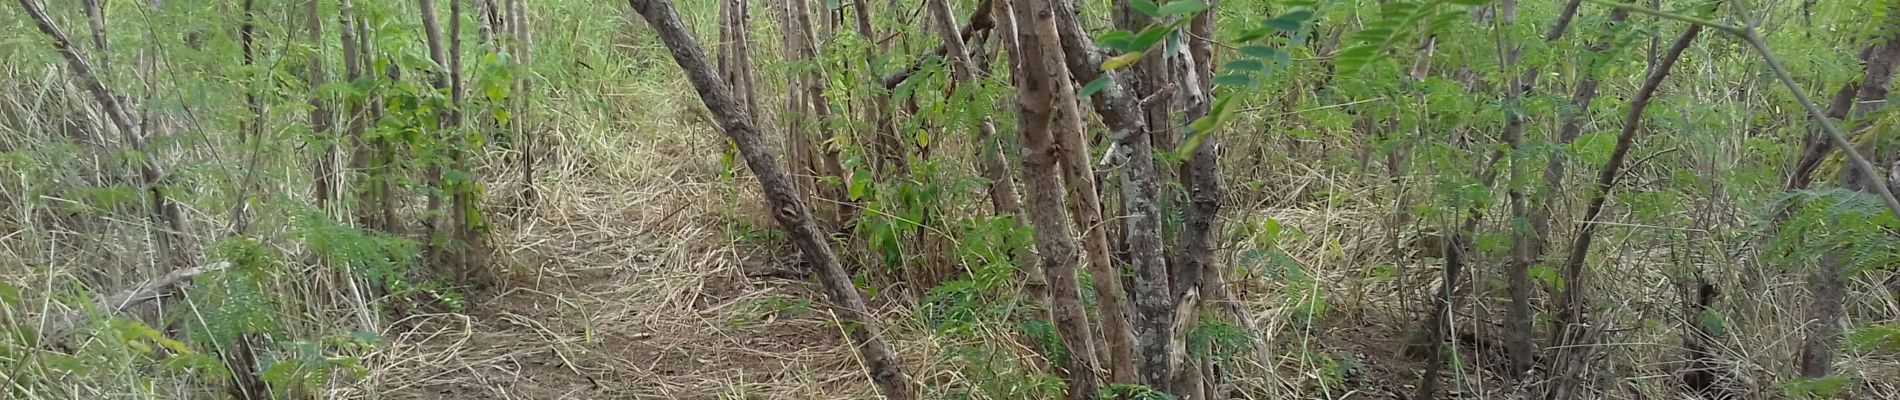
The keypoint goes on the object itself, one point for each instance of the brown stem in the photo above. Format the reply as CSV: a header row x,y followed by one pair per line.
x,y
781,198
1571,303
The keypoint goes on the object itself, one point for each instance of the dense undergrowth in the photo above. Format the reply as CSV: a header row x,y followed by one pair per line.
x,y
567,209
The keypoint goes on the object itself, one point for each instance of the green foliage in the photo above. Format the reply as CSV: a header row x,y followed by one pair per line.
x,y
1824,220
237,301
1828,387
1877,338
1132,392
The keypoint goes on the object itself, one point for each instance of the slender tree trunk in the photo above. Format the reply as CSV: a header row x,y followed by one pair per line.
x,y
1201,174
1571,126
1140,188
322,115
96,20
1816,146
523,110
887,148
247,39
1518,344
1002,190
798,138
1041,88
781,198
1571,303
165,215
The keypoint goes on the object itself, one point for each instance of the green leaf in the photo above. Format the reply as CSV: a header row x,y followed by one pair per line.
x,y
1290,21
1816,388
860,184
1233,80
1145,7
1182,7
1094,86
1712,322
1118,40
1245,65
1148,37
1593,148
9,294
1259,51
1547,275
1206,125
1469,2
1121,61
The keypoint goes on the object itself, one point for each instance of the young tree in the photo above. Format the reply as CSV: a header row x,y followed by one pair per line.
x,y
781,198
1571,302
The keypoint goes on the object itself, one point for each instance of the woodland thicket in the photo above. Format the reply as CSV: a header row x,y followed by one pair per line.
x,y
949,199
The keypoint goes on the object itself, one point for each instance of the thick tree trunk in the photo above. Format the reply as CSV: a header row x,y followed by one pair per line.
x,y
781,198
1042,87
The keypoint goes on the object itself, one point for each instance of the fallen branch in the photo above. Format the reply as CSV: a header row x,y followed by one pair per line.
x,y
59,327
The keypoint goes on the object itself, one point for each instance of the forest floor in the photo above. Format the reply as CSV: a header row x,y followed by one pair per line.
x,y
619,294
649,294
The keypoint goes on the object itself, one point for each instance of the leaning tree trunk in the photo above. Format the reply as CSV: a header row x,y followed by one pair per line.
x,y
164,213
1042,86
1570,304
781,198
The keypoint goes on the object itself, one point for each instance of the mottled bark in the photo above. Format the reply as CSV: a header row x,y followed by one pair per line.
x,y
782,199
1152,82
1201,176
1042,88
1139,190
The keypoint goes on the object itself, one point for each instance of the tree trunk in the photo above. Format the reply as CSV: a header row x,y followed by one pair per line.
x,y
1201,174
163,212
1829,281
322,115
886,147
1042,86
1570,127
1571,303
781,198
1518,344
1002,188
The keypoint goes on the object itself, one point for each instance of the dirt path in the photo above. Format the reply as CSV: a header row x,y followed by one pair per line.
x,y
629,295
